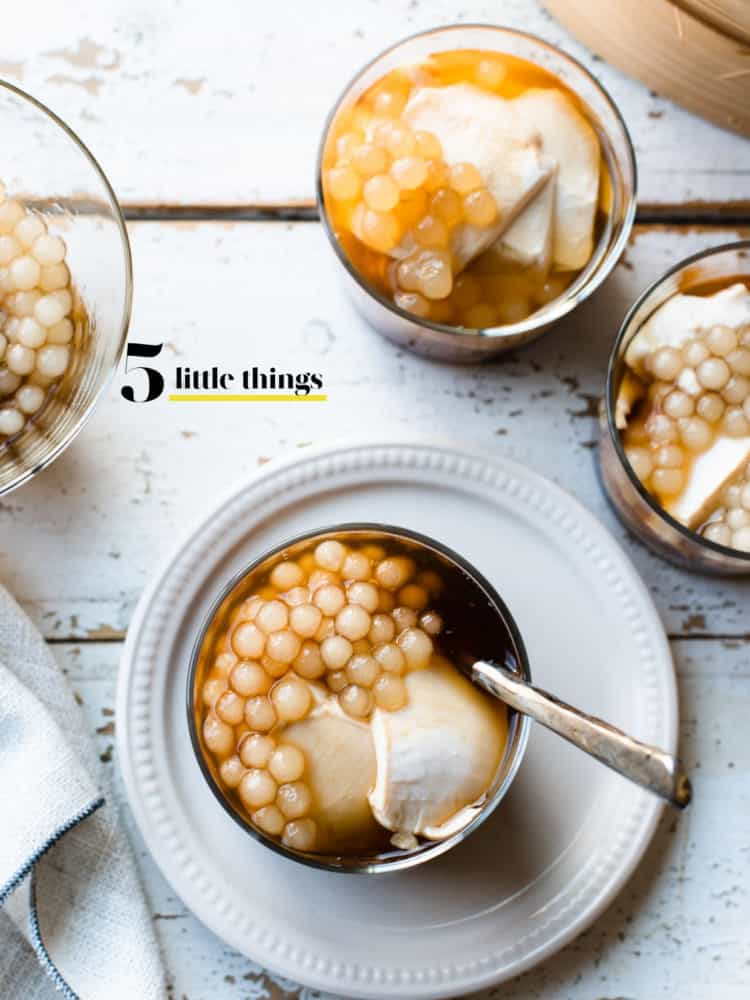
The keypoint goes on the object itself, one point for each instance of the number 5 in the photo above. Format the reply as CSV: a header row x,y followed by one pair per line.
x,y
155,378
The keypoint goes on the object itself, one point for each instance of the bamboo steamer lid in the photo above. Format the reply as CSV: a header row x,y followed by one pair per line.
x,y
682,50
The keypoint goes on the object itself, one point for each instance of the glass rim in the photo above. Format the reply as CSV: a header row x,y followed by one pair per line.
x,y
610,401
517,746
558,308
124,324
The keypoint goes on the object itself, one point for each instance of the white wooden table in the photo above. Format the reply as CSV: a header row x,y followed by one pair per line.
x,y
206,118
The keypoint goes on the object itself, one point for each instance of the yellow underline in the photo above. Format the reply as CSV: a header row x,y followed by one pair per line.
x,y
251,397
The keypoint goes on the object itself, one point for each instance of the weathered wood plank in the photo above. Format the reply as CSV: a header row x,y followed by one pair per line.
x,y
186,107
679,928
79,542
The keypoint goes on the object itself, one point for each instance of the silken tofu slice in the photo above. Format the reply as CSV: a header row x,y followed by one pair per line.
x,y
572,143
528,242
476,127
710,474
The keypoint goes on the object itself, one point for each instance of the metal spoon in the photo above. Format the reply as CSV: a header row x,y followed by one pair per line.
x,y
648,766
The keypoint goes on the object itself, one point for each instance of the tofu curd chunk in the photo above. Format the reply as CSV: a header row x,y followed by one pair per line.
x,y
359,739
683,408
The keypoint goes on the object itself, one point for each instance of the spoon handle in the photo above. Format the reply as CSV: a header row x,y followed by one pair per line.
x,y
645,765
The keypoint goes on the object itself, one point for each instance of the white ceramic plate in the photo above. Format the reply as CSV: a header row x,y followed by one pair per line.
x,y
561,844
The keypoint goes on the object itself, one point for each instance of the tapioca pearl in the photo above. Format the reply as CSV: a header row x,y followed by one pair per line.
x,y
490,73
666,364
50,309
694,353
230,707
218,736
287,763
291,698
416,646
409,172
344,183
28,229
19,359
345,146
737,518
273,616
734,422
390,657
438,175
287,575
640,461
283,646
294,799
363,670
736,390
54,277
248,678
480,316
404,618
363,594
717,532
513,309
431,232
389,103
305,619
224,664
274,668
661,429
249,608
356,701
696,434
448,206
232,771
9,381
353,622
300,834
11,213
435,275
48,249
248,641
356,567
431,623
713,373
721,340
269,819
732,496
390,692
465,178
382,629
466,291
431,581
330,555
381,193
400,141
24,273
413,596
741,539
336,652
309,663
689,384
31,333
321,578
29,399
330,599
260,714
362,647
380,231
256,789
23,303
394,572
213,688
337,680
295,597
10,249
428,145
678,404
326,630
711,407
739,361
255,750
374,552
480,208
386,602
667,482
369,159
407,273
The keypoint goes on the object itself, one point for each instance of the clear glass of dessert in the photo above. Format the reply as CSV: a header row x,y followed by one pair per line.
x,y
65,286
476,185
675,424
326,709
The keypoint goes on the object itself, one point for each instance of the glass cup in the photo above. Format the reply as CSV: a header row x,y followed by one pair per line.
x,y
444,342
636,507
507,636
47,167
